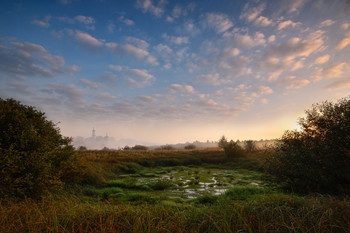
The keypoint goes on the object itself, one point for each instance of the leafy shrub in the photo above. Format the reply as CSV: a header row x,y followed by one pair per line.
x,y
161,184
249,145
35,157
190,147
206,199
232,149
243,192
139,147
316,159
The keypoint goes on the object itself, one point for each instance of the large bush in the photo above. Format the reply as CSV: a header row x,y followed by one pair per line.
x,y
232,149
34,157
317,158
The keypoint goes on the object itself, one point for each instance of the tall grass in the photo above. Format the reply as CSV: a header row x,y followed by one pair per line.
x,y
272,213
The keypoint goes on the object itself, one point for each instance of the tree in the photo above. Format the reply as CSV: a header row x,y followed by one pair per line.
x,y
249,145
34,156
139,147
317,158
232,149
190,147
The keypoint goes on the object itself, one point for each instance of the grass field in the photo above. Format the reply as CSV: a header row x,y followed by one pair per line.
x,y
174,191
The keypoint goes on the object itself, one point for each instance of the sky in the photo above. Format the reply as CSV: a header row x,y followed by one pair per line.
x,y
165,71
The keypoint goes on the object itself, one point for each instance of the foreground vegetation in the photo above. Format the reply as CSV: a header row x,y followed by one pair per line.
x,y
46,186
102,203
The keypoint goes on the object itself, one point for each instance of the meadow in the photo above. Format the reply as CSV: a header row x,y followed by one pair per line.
x,y
174,191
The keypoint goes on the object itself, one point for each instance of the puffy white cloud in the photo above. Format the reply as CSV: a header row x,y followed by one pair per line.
x,y
230,52
219,22
326,23
262,21
295,47
345,26
295,5
287,23
162,48
181,88
297,65
340,84
343,43
262,90
292,82
104,96
42,23
251,13
126,21
88,40
68,92
28,59
149,6
89,83
84,19
176,39
271,38
138,78
248,41
213,79
334,71
115,67
321,60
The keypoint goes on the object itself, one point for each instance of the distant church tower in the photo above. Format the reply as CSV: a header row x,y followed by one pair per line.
x,y
93,133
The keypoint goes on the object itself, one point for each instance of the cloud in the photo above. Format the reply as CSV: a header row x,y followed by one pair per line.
x,y
104,96
88,40
297,65
334,71
340,84
115,67
296,5
250,14
138,50
326,23
219,22
126,21
262,90
230,52
89,83
343,43
181,88
264,101
295,47
178,40
262,21
149,6
28,59
110,27
84,19
271,38
163,49
321,60
138,78
287,23
345,26
293,82
69,92
213,79
247,41
42,23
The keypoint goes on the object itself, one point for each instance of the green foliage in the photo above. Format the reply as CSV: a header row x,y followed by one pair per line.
x,y
249,145
243,192
34,155
316,159
139,147
232,149
190,147
161,184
